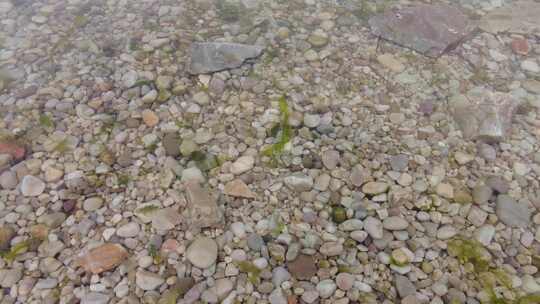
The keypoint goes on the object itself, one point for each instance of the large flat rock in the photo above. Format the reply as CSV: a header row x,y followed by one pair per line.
x,y
210,57
428,29
517,17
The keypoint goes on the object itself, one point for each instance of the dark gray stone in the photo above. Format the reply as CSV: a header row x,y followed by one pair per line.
x,y
429,29
512,213
209,57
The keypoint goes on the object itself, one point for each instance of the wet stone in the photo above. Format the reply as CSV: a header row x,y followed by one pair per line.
x,y
209,57
512,213
429,29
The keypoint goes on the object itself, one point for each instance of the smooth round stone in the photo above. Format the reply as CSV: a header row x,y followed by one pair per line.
x,y
128,230
344,281
446,232
318,38
202,253
373,227
93,203
280,275
242,164
255,241
395,223
147,280
32,186
238,229
374,188
310,296
277,297
8,180
481,194
359,236
312,120
351,225
326,288
399,162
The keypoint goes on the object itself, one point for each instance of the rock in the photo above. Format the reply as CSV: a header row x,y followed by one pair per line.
x,y
520,46
187,147
487,117
238,229
481,194
5,7
8,180
299,182
303,267
344,281
463,158
10,277
428,29
310,296
255,241
165,219
32,186
202,252
209,57
358,176
150,118
280,275
312,120
512,213
498,184
147,280
242,165
326,288
13,148
6,234
359,235
373,227
330,159
445,190
389,61
477,216
402,256
171,144
277,297
203,209
128,230
530,66
399,162
95,298
485,234
404,286
446,232
351,225
331,249
103,258
374,188
192,174
93,203
395,223
318,38
520,17
238,188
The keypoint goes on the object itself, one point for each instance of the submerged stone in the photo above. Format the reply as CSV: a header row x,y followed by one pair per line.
x,y
487,117
429,29
209,57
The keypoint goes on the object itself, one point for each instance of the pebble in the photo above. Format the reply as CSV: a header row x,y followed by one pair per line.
x,y
255,242
481,194
202,252
351,225
374,227
485,234
395,223
93,203
359,236
330,159
147,280
446,232
150,118
128,230
512,213
530,66
277,297
299,182
312,120
326,288
95,298
445,190
310,296
404,286
171,143
303,267
8,180
238,229
280,275
103,258
242,165
344,281
374,188
331,249
32,186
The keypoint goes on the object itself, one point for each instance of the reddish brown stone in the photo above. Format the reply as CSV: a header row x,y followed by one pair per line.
x,y
103,258
303,267
520,46
292,299
12,148
238,188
